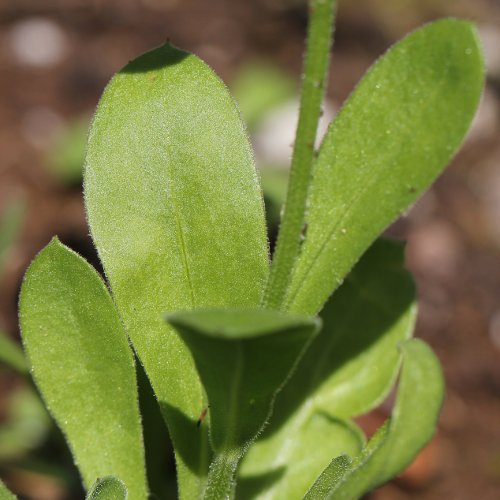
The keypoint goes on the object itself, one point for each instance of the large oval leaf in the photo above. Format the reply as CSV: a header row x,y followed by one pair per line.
x,y
176,213
395,134
83,365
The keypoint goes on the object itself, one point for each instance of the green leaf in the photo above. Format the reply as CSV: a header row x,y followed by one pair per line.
x,y
362,461
353,364
12,355
415,416
5,494
412,425
83,365
108,488
397,131
243,358
255,350
331,475
349,368
176,213
302,449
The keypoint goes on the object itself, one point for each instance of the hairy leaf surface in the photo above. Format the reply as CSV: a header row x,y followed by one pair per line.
x,y
331,475
348,369
5,494
243,358
108,488
412,425
397,131
301,450
83,365
353,363
176,213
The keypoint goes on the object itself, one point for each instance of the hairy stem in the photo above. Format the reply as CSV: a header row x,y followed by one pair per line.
x,y
316,62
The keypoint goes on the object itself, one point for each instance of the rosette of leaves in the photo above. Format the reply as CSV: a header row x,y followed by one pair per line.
x,y
257,397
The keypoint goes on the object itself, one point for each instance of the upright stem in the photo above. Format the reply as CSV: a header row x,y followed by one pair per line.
x,y
317,58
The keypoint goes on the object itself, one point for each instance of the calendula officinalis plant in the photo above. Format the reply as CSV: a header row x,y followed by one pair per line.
x,y
258,365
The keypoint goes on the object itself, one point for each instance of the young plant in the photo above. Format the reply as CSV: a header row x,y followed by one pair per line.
x,y
176,213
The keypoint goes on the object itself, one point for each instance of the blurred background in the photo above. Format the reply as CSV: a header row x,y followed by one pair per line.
x,y
56,56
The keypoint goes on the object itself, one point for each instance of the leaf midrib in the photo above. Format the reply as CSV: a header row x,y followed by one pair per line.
x,y
183,250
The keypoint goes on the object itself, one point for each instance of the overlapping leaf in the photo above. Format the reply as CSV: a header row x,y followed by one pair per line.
x,y
296,453
349,368
353,363
243,358
176,213
83,365
412,425
395,134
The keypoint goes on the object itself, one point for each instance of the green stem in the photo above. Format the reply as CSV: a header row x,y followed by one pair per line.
x,y
317,58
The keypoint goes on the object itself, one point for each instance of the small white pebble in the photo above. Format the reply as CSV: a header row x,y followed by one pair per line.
x,y
37,41
273,140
